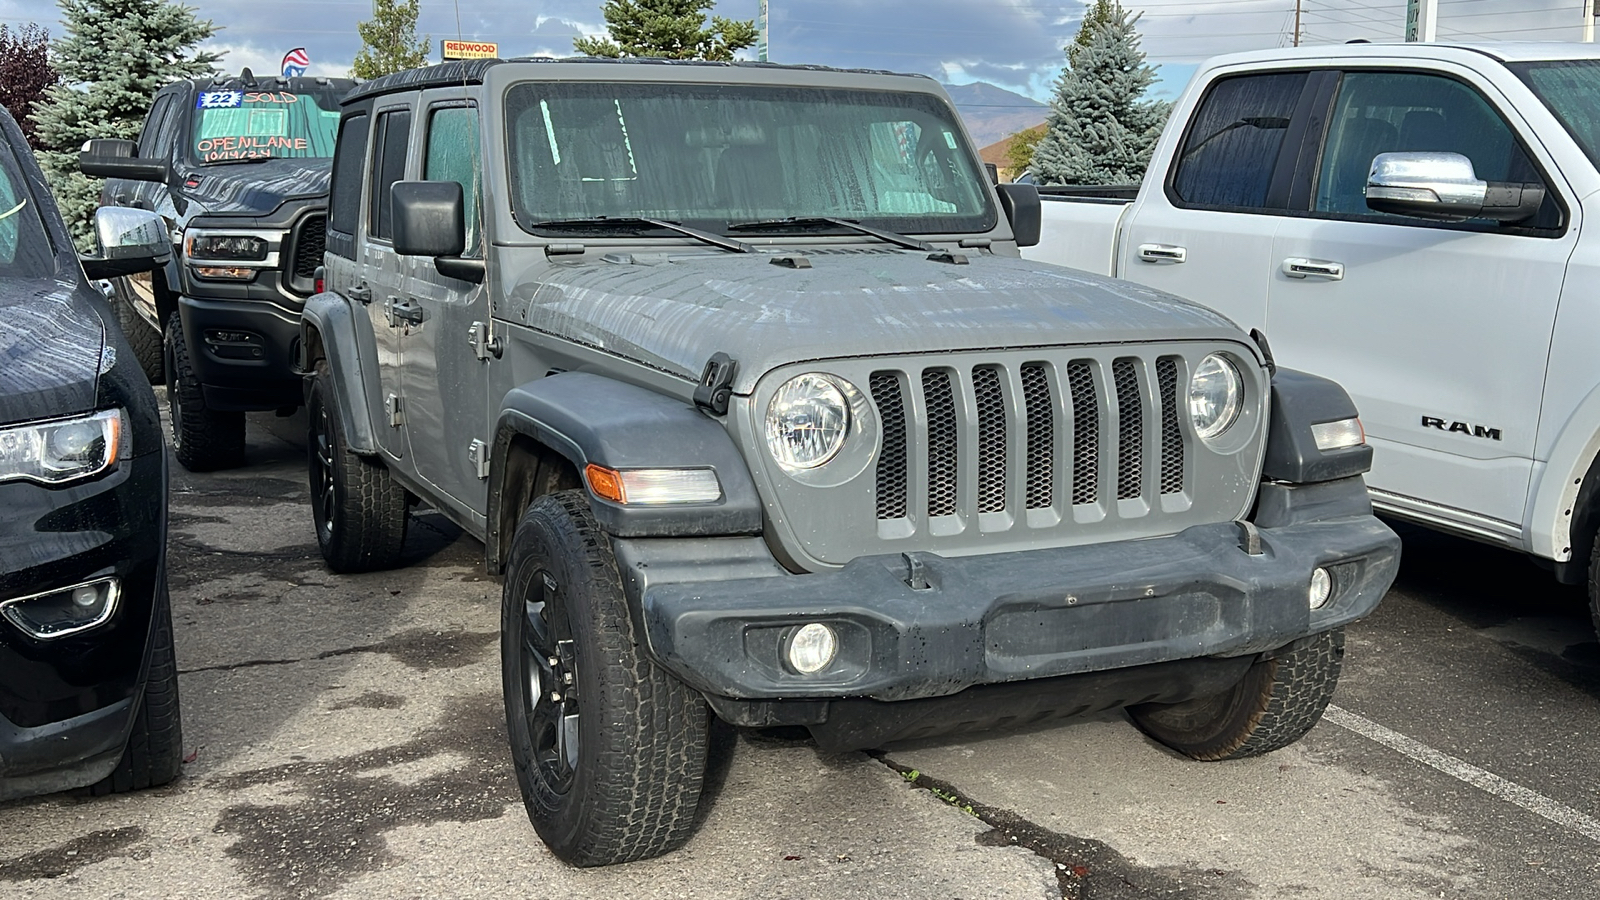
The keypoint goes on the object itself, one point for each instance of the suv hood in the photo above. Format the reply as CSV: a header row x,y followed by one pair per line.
x,y
674,312
51,338
258,188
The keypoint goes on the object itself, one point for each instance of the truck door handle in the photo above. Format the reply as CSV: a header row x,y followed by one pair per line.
x,y
1299,267
403,311
360,293
1162,253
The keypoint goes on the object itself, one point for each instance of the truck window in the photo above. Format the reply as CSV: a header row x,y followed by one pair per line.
x,y
231,125
25,250
725,154
1570,88
151,145
452,155
388,166
1234,139
344,203
1381,112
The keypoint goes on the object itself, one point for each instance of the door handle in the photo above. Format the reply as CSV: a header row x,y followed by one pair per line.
x,y
1162,253
1299,267
402,311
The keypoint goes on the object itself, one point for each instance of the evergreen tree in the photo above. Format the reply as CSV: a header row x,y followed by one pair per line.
x,y
113,58
1020,147
1100,129
389,40
675,29
25,74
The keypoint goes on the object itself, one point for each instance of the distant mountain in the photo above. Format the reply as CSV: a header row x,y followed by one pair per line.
x,y
992,113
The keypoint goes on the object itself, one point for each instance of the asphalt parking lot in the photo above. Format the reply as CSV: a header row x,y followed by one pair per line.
x,y
346,739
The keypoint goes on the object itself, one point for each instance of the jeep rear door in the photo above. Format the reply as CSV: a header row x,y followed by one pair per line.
x,y
383,270
1438,330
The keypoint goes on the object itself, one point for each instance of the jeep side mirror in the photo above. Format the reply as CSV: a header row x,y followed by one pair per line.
x,y
1021,204
430,220
114,159
131,241
1444,187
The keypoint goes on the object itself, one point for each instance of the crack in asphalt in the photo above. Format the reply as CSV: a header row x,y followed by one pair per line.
x,y
1086,869
418,648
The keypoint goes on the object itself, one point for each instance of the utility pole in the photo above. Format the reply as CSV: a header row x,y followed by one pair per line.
x,y
1422,20
761,40
1297,21
1588,21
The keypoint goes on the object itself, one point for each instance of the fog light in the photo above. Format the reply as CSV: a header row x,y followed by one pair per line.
x,y
53,614
1321,587
812,648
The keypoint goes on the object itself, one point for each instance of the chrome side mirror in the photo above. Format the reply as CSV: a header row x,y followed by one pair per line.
x,y
131,241
1444,187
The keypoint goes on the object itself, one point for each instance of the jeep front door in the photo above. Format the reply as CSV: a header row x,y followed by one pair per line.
x,y
1439,330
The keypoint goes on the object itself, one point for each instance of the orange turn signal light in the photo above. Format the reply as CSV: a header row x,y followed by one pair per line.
x,y
605,483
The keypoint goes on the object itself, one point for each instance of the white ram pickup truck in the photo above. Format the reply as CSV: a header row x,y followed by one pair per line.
x,y
1408,220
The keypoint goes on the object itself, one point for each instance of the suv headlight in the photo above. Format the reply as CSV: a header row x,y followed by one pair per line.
x,y
806,421
52,453
225,247
1216,393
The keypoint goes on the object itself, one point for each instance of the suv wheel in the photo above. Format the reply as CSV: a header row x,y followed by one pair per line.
x,y
610,750
143,339
1274,705
202,439
154,753
359,509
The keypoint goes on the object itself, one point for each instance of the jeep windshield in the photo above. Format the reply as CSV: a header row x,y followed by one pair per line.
x,y
234,125
715,155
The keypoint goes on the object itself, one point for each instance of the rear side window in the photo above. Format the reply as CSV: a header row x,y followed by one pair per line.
x,y
1234,139
388,166
345,201
151,144
453,156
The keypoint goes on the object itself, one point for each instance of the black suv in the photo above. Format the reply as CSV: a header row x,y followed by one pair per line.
x,y
88,682
238,168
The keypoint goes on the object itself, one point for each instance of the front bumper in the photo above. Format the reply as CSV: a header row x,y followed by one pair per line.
x,y
66,705
1006,617
243,352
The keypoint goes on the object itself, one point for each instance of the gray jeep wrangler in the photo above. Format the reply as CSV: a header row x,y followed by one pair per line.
x,y
737,374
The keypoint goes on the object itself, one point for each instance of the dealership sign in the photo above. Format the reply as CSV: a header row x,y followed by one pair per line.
x,y
468,50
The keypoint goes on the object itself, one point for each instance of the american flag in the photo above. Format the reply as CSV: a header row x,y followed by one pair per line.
x,y
295,62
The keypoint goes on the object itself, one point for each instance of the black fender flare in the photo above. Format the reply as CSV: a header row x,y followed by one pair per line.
x,y
328,322
1300,400
588,418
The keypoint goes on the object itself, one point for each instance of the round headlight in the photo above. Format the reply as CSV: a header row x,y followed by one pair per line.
x,y
806,421
1215,396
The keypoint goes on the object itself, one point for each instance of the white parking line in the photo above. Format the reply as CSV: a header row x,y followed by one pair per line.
x,y
1510,791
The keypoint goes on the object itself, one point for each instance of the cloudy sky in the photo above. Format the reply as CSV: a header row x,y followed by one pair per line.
x,y
1016,44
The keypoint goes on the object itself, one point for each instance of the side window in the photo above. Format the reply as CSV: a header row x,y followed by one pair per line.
x,y
452,155
1382,112
344,204
1234,139
151,144
388,166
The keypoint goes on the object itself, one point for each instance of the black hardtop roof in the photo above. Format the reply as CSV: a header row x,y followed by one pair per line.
x,y
471,71
236,82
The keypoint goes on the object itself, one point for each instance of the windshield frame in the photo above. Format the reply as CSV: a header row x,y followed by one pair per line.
x,y
327,99
1525,71
981,218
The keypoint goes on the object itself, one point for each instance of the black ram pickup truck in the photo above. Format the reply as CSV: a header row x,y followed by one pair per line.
x,y
238,168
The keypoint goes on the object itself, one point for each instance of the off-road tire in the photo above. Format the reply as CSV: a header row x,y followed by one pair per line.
x,y
154,753
359,510
1275,704
1594,584
145,341
641,735
202,439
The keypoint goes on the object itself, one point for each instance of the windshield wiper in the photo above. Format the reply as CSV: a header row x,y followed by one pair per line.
x,y
715,240
1265,123
901,240
237,161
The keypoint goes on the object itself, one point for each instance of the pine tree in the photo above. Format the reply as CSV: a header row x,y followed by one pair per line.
x,y
674,29
389,40
113,58
1100,130
25,74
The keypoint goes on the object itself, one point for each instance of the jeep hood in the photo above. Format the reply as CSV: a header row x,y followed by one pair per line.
x,y
258,188
674,312
50,344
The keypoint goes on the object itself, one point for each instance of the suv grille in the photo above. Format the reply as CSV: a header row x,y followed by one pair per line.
x,y
1139,398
